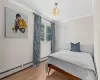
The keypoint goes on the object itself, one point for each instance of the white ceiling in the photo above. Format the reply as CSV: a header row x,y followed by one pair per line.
x,y
69,9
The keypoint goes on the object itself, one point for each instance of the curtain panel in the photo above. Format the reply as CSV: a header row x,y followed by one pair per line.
x,y
36,45
52,37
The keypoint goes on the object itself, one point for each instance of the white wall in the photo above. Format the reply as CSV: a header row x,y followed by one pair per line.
x,y
15,51
97,35
78,30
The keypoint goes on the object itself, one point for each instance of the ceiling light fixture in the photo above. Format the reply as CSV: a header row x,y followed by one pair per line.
x,y
56,10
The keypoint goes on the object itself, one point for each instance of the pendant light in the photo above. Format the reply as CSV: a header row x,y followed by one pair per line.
x,y
56,10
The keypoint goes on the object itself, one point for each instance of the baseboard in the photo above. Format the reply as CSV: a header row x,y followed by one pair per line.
x,y
17,69
14,70
44,58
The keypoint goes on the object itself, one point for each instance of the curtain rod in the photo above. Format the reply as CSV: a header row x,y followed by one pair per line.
x,y
43,18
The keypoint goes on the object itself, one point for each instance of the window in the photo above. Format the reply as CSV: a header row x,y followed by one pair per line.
x,y
45,32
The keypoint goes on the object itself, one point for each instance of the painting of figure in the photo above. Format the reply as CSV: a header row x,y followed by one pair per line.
x,y
16,24
20,24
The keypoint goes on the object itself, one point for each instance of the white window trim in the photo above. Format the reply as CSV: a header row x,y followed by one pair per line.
x,y
45,32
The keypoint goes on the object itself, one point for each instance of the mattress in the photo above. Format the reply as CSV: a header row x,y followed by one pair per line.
x,y
73,63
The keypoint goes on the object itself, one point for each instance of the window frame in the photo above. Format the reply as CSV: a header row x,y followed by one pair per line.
x,y
45,33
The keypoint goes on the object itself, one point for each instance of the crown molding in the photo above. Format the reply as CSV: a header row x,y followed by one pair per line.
x,y
77,18
23,6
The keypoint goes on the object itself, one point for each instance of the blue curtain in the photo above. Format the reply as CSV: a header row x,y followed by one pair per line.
x,y
52,37
36,50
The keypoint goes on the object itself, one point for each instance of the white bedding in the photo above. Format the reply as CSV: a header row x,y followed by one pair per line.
x,y
79,64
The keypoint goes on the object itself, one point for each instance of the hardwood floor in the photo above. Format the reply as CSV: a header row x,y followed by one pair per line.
x,y
37,74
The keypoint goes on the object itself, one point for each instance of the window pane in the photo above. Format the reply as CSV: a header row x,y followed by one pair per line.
x,y
42,36
48,37
42,28
42,39
48,29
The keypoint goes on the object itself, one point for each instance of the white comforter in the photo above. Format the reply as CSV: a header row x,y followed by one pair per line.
x,y
80,59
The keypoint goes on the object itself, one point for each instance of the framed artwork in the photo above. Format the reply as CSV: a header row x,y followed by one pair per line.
x,y
16,24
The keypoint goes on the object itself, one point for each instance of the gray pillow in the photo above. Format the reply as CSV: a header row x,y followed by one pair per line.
x,y
75,47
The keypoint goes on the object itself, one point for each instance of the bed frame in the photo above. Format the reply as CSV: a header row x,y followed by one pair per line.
x,y
70,76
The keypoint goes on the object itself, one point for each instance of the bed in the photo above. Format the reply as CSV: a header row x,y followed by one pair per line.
x,y
75,65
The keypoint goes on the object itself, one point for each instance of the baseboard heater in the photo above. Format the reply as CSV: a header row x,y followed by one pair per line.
x,y
17,69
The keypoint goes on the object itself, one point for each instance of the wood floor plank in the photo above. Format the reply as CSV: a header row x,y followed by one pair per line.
x,y
37,74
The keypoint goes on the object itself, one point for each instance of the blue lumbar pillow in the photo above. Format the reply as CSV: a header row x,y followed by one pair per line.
x,y
75,47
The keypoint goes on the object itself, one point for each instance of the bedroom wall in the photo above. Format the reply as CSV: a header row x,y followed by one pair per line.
x,y
15,51
78,30
97,35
